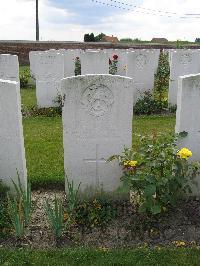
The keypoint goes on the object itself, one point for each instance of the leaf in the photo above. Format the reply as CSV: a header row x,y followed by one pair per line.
x,y
150,190
183,134
142,208
156,209
113,157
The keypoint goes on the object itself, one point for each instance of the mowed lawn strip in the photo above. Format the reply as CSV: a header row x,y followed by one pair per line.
x,y
44,150
82,256
44,144
28,98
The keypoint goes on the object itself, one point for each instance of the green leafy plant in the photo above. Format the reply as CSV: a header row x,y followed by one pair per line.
x,y
19,207
147,105
45,112
24,197
72,195
179,44
113,65
157,174
162,76
16,216
59,102
94,213
55,216
77,66
24,79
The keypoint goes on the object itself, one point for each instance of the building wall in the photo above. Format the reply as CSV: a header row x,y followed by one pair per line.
x,y
22,48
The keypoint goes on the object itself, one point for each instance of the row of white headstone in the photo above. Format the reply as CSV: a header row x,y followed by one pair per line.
x,y
97,123
51,66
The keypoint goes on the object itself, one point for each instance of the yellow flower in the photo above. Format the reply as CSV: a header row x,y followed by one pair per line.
x,y
178,243
130,163
184,153
133,163
66,216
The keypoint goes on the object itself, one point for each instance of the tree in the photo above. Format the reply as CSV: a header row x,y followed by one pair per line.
x,y
92,37
99,37
89,37
37,23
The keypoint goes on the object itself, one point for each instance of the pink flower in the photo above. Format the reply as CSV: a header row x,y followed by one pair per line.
x,y
115,56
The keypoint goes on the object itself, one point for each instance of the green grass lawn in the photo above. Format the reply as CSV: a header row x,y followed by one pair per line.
x,y
81,256
28,98
44,149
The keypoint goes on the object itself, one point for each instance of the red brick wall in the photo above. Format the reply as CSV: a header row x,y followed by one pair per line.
x,y
22,48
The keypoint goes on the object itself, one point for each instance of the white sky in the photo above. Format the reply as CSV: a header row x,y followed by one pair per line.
x,y
17,21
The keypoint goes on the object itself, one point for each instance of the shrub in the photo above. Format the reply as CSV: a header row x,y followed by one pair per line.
x,y
157,173
77,66
162,76
59,102
24,79
47,112
94,213
147,105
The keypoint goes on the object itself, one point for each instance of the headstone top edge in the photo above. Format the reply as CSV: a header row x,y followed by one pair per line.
x,y
190,76
98,75
8,81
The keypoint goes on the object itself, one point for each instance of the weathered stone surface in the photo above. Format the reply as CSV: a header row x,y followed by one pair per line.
x,y
182,62
94,62
49,70
12,154
49,66
188,115
9,67
142,66
97,123
47,93
33,59
69,62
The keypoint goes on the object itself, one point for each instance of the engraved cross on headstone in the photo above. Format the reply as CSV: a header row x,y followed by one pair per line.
x,y
97,162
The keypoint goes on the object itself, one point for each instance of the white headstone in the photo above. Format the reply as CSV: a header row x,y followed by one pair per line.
x,y
188,115
12,154
9,67
33,59
47,93
182,62
97,123
69,63
94,62
109,52
49,69
49,66
142,66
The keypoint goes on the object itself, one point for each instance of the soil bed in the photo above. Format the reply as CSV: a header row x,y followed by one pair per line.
x,y
179,227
